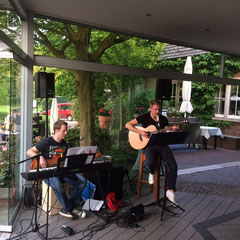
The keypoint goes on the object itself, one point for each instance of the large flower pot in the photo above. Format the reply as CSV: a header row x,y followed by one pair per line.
x,y
105,122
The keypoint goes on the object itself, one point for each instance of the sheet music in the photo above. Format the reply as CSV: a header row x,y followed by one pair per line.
x,y
94,205
167,138
80,150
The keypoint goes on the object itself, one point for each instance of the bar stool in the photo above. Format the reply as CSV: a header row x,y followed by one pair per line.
x,y
156,178
160,168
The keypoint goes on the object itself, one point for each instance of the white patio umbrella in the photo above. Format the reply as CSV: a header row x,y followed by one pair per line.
x,y
186,105
53,115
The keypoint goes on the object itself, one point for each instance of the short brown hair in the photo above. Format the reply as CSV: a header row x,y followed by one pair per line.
x,y
155,102
58,124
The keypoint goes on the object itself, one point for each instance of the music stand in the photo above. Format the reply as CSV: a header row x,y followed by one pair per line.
x,y
163,139
85,160
73,163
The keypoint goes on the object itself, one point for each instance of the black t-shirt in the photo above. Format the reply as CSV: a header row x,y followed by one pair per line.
x,y
146,120
48,147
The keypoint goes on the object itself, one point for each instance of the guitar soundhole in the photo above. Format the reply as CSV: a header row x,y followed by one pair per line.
x,y
140,137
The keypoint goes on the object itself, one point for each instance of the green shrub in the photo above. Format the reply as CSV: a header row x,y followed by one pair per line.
x,y
219,123
2,116
73,137
142,100
102,140
123,155
4,111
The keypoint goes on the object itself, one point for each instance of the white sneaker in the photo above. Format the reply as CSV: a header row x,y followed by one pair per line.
x,y
65,213
171,197
151,178
79,213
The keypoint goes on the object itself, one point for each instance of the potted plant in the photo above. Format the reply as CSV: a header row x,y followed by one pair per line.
x,y
105,118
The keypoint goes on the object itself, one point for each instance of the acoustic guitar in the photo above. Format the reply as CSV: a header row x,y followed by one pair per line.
x,y
138,142
50,162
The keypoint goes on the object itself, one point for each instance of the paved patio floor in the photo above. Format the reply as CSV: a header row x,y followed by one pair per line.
x,y
210,197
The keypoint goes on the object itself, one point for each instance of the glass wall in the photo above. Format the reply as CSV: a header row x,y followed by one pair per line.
x,y
10,115
10,120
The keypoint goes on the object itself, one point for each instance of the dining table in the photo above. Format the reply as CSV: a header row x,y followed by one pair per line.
x,y
206,132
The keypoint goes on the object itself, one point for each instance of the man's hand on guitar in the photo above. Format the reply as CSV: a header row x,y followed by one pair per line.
x,y
145,134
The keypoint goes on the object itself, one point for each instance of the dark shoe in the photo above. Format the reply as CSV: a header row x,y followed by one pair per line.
x,y
66,213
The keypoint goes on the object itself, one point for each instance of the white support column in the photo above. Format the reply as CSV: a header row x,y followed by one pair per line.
x,y
26,94
227,100
228,87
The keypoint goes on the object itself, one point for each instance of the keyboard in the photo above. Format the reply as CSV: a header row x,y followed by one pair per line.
x,y
62,171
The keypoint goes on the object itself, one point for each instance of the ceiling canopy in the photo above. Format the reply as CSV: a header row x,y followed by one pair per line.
x,y
207,24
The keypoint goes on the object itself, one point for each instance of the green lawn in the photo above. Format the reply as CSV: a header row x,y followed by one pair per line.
x,y
4,110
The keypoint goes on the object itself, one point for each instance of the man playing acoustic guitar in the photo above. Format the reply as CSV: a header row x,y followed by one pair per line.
x,y
152,152
48,148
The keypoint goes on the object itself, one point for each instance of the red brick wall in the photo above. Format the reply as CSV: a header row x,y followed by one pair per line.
x,y
232,130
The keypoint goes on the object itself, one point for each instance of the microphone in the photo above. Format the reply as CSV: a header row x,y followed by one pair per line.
x,y
158,123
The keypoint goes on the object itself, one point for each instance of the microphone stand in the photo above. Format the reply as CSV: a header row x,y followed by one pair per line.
x,y
35,226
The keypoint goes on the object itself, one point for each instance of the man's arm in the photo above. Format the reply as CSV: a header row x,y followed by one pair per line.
x,y
33,152
131,126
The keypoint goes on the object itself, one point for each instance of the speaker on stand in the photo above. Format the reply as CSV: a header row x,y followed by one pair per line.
x,y
163,90
45,88
110,182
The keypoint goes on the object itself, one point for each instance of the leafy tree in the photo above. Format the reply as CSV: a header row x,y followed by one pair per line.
x,y
133,53
83,44
10,24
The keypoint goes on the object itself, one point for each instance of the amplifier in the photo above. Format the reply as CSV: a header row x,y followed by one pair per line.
x,y
111,180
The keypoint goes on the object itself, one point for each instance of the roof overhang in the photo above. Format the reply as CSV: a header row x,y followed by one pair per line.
x,y
210,25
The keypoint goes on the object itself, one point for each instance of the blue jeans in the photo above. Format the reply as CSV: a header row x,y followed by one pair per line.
x,y
78,183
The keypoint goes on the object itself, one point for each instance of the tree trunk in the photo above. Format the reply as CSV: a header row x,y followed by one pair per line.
x,y
85,100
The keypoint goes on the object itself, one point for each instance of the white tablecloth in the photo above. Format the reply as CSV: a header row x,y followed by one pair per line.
x,y
207,132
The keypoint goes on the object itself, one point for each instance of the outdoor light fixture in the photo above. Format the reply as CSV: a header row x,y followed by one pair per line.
x,y
148,14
